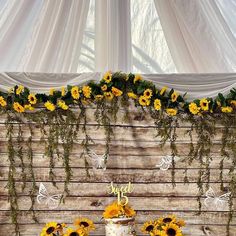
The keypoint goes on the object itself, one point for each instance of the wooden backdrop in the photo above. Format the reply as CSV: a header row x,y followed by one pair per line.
x,y
134,153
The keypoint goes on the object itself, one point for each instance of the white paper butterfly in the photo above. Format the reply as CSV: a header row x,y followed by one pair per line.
x,y
219,203
99,161
44,198
165,163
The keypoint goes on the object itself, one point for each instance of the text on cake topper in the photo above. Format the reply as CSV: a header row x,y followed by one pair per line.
x,y
121,192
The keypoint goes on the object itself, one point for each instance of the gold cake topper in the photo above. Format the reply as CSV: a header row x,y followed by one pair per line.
x,y
120,192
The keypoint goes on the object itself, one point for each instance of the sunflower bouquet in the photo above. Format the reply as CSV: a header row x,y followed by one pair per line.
x,y
116,210
83,226
164,226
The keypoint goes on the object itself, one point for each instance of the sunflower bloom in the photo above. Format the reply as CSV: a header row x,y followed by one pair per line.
x,y
226,109
19,89
174,96
147,93
75,92
50,106
144,101
233,102
63,91
157,104
51,91
128,211
62,105
107,77
148,227
17,107
204,104
172,229
77,232
87,91
49,229
3,102
137,77
132,95
108,95
84,223
116,91
193,108
98,97
163,90
28,107
32,99
104,87
112,211
171,111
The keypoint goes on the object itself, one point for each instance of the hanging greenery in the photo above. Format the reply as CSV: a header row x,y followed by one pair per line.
x,y
61,125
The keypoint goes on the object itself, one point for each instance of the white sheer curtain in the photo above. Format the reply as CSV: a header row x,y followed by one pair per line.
x,y
54,40
198,36
113,35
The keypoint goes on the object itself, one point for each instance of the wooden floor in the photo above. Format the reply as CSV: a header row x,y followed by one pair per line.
x,y
134,153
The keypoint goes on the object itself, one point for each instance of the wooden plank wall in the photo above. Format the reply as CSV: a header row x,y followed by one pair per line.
x,y
134,153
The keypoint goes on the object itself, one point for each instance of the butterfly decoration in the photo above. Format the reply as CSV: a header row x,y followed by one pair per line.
x,y
216,202
43,197
98,161
165,163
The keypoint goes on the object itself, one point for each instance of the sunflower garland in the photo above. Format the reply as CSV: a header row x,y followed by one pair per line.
x,y
164,226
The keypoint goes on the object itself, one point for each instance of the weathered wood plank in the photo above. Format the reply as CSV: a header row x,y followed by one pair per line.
x,y
100,189
116,175
99,203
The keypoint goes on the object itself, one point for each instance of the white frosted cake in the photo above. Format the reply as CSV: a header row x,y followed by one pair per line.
x,y
120,227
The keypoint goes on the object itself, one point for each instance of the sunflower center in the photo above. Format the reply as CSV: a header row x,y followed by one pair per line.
x,y
74,234
150,228
85,224
171,232
167,220
50,230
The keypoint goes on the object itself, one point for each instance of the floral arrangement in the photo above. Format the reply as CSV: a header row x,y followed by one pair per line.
x,y
112,86
164,226
82,228
116,210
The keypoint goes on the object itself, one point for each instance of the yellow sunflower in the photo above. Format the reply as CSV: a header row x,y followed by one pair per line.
x,y
129,211
51,91
19,89
137,77
50,106
132,95
174,96
3,102
147,93
98,97
157,104
28,107
117,92
157,232
143,101
84,223
226,109
49,229
77,232
32,99
112,211
104,87
233,102
17,107
108,95
75,92
171,111
62,105
63,91
87,90
107,77
172,230
204,104
148,227
167,219
193,108
163,90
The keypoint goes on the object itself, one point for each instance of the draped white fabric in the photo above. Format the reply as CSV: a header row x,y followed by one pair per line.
x,y
113,36
196,85
198,36
54,41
